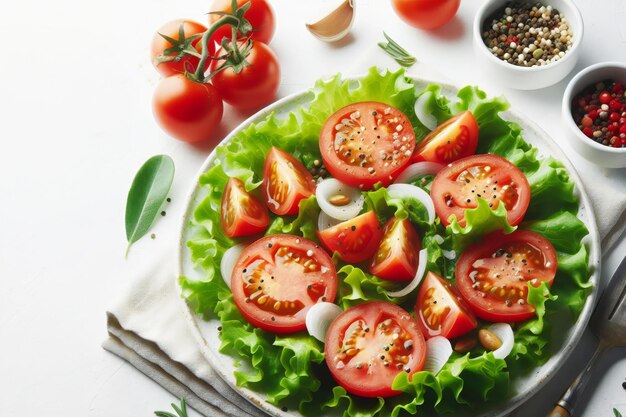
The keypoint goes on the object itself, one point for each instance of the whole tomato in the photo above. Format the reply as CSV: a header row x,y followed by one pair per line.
x,y
184,62
426,14
250,85
187,110
260,15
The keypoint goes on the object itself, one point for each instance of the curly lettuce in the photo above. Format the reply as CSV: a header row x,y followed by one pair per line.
x,y
290,370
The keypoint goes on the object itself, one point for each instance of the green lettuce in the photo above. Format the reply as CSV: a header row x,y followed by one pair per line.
x,y
478,222
290,369
304,224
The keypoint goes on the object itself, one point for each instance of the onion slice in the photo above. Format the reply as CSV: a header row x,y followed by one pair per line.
x,y
324,221
505,334
438,351
230,258
411,191
332,187
418,169
449,254
319,317
426,118
421,268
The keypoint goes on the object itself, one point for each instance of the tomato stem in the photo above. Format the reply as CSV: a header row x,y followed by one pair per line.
x,y
235,56
227,19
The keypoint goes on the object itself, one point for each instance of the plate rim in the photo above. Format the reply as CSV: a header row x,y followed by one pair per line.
x,y
495,410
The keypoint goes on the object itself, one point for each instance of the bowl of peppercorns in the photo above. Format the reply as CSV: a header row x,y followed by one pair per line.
x,y
594,109
528,45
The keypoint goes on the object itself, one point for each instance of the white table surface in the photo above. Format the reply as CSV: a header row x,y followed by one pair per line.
x,y
76,124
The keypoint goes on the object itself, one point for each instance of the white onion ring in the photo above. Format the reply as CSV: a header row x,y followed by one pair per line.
x,y
418,169
324,221
319,317
330,187
439,239
421,268
438,351
449,254
229,259
426,118
408,190
506,336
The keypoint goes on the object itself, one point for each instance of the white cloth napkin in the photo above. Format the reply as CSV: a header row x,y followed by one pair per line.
x,y
147,327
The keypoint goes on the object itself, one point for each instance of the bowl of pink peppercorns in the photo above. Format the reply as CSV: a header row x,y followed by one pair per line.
x,y
594,109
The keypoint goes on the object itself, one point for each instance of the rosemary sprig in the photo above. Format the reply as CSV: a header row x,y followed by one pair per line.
x,y
180,411
398,53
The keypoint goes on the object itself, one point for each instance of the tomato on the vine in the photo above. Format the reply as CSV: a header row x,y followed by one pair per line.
x,y
426,14
493,276
170,58
278,278
368,345
260,15
251,84
188,110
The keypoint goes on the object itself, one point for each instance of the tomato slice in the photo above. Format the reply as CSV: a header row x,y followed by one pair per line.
x,y
458,186
285,182
365,143
455,138
396,258
367,346
441,311
493,276
355,240
278,278
241,213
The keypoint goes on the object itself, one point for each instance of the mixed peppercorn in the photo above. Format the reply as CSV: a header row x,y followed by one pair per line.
x,y
527,34
600,113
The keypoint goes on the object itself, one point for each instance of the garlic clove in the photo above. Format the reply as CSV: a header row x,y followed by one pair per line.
x,y
335,25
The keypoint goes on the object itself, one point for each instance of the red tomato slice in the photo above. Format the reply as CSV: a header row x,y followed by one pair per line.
x,y
365,143
493,276
458,186
441,311
241,213
278,278
367,346
355,240
285,182
396,258
456,138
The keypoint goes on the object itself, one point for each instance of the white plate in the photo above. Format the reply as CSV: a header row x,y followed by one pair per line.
x,y
206,333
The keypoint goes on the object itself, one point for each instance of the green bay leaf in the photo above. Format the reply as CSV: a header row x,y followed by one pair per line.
x,y
146,196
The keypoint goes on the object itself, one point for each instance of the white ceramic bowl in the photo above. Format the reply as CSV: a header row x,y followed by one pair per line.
x,y
602,155
528,78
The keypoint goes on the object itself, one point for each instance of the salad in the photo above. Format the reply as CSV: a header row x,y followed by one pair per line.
x,y
365,256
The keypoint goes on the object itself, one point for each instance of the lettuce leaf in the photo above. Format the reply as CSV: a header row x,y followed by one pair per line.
x,y
385,207
290,369
478,222
304,224
357,286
